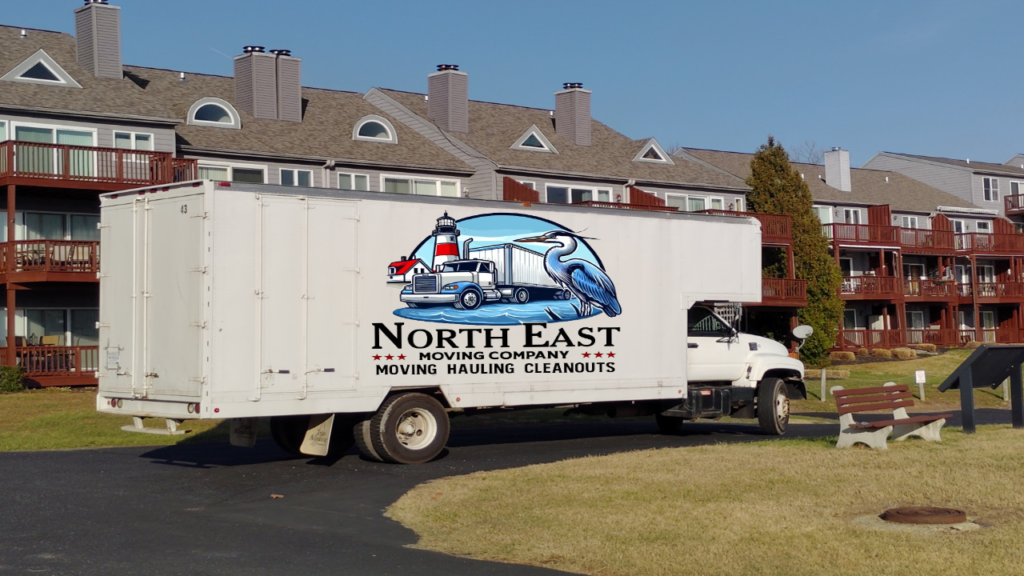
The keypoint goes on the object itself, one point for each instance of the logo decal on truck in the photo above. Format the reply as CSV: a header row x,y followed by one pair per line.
x,y
503,269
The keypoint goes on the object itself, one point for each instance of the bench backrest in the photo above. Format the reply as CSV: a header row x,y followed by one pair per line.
x,y
867,399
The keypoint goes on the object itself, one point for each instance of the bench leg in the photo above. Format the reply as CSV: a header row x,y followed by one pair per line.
x,y
871,438
929,431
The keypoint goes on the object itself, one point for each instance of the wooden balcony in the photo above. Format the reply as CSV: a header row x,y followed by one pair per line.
x,y
775,228
58,365
870,288
975,243
862,234
1014,204
863,338
992,292
916,241
86,167
624,206
27,261
990,335
783,293
937,336
930,290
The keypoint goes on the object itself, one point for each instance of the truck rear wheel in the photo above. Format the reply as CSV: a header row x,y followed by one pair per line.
x,y
522,296
361,434
289,432
772,406
409,428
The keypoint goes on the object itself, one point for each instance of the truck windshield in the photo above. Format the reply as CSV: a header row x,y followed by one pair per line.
x,y
703,322
460,267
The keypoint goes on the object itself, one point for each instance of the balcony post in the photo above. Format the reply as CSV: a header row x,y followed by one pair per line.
x,y
790,264
978,336
12,353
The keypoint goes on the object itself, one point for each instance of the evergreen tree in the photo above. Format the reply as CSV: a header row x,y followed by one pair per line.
x,y
777,188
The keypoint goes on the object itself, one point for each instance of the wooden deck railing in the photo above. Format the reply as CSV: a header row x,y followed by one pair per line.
x,y
990,335
862,234
871,286
57,360
928,241
1014,204
930,288
624,206
50,256
775,228
62,162
937,336
872,338
992,290
786,289
990,243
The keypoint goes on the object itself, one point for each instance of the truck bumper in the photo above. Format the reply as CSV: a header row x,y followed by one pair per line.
x,y
429,298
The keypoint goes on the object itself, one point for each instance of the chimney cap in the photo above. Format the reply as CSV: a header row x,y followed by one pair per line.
x,y
103,2
253,49
281,52
571,85
836,148
445,67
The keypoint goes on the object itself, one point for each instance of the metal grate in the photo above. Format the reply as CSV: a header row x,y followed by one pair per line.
x,y
424,283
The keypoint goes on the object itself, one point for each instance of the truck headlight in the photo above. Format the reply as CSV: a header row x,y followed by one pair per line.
x,y
451,287
407,289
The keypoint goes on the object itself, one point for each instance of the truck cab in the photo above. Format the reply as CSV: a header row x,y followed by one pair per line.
x,y
464,284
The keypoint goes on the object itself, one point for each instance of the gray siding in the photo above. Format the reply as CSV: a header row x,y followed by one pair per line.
x,y
256,84
978,190
98,33
448,104
289,89
163,137
949,179
572,115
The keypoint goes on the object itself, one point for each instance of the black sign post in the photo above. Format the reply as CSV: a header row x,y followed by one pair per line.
x,y
989,366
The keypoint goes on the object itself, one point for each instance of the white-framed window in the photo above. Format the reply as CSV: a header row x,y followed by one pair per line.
x,y
653,152
214,112
983,227
54,326
1016,188
910,222
991,188
420,186
717,203
959,226
846,266
850,319
737,205
915,319
563,194
46,160
35,225
348,181
3,131
249,173
374,128
39,68
292,177
527,183
133,141
851,215
824,213
533,140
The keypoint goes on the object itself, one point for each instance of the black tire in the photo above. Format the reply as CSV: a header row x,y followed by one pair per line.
x,y
772,406
521,296
289,432
412,305
361,435
470,299
669,424
409,428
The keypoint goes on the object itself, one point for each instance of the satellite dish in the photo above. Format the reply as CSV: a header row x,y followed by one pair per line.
x,y
803,331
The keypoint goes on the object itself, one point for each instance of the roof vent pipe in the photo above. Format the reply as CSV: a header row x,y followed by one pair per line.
x,y
24,33
837,169
98,39
572,113
448,98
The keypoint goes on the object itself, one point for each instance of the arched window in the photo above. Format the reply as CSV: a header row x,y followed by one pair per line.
x,y
213,112
374,129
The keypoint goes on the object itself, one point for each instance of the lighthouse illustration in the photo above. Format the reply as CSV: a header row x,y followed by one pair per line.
x,y
446,241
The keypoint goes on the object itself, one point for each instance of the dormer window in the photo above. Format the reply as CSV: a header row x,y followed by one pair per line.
x,y
39,68
374,129
533,140
653,152
214,112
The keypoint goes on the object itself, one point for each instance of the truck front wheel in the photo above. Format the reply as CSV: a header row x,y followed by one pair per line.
x,y
772,406
470,299
409,428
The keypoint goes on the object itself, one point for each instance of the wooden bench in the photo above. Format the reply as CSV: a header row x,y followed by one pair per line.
x,y
874,434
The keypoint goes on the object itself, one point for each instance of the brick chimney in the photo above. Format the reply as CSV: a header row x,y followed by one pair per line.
x,y
98,34
448,98
572,113
256,82
837,169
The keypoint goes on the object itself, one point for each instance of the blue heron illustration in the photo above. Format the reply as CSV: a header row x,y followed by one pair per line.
x,y
585,280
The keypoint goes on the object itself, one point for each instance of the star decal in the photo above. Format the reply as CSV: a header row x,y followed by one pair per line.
x,y
598,355
611,354
586,354
376,356
389,356
401,356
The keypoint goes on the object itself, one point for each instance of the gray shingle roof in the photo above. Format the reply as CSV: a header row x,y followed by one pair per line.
x,y
493,128
986,167
868,187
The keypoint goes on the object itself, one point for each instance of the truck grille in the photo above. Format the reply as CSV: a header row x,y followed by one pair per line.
x,y
425,283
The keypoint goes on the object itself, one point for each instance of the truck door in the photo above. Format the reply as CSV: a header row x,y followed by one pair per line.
x,y
713,354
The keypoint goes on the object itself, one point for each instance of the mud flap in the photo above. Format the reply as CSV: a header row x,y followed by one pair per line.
x,y
318,435
243,432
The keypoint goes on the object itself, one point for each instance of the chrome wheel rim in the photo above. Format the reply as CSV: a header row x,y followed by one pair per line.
x,y
782,408
416,429
469,300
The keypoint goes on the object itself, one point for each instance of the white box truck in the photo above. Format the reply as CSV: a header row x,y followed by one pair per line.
x,y
238,301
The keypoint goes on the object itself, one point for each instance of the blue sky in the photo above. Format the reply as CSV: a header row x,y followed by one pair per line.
x,y
936,78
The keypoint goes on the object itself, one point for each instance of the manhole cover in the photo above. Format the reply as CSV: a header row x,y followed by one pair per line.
x,y
925,515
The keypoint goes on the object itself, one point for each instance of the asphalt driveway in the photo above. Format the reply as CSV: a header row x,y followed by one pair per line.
x,y
207,509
